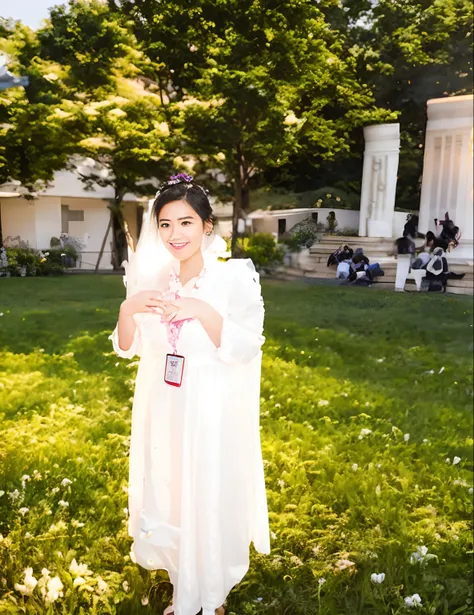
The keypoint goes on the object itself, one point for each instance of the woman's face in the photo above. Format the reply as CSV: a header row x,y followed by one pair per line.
x,y
182,229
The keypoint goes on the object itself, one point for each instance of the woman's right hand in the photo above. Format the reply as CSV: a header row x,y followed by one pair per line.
x,y
145,301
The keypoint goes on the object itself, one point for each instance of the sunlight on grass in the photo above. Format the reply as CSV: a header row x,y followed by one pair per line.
x,y
366,434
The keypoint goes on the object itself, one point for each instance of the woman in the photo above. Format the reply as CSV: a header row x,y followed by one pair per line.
x,y
196,488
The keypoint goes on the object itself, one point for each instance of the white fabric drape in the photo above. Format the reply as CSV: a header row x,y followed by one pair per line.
x,y
196,484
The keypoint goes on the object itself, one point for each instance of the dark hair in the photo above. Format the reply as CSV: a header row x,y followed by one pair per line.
x,y
430,236
190,192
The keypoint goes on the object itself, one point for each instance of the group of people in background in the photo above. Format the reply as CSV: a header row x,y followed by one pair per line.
x,y
353,267
431,257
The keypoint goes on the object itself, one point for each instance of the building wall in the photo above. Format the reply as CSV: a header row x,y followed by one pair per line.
x,y
18,218
47,211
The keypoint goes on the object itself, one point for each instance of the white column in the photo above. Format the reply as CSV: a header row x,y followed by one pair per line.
x,y
448,169
379,180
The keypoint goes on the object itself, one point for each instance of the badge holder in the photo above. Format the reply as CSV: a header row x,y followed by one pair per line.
x,y
174,369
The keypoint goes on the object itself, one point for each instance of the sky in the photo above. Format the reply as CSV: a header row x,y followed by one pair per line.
x,y
30,12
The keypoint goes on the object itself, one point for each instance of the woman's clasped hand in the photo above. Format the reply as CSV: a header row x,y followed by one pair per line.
x,y
170,309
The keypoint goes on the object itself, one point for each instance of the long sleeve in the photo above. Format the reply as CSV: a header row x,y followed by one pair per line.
x,y
242,328
135,348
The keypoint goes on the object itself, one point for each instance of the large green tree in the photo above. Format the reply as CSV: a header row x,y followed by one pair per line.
x,y
407,52
254,82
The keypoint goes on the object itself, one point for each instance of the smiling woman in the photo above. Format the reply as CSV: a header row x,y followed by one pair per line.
x,y
196,486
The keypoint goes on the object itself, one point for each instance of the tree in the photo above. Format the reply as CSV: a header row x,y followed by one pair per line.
x,y
254,83
96,66
407,52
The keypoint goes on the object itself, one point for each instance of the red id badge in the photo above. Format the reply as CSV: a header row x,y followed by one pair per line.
x,y
174,369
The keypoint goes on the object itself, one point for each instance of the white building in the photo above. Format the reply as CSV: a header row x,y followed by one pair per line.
x,y
66,207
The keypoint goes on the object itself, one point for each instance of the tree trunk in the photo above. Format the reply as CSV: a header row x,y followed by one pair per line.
x,y
241,195
121,237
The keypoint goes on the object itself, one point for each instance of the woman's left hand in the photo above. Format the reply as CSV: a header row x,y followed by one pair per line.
x,y
183,309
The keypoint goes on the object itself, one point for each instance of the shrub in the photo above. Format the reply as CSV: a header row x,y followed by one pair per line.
x,y
263,251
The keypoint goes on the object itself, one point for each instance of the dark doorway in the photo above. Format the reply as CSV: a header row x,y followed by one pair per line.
x,y
281,226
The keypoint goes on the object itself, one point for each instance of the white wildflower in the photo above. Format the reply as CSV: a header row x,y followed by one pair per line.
x,y
23,511
377,578
321,581
79,581
63,503
448,460
79,570
65,482
29,583
406,437
456,460
355,467
126,586
54,590
323,402
413,601
13,495
144,600
364,432
102,586
281,483
421,556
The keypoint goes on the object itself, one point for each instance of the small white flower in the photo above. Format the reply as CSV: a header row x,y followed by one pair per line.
x,y
421,555
102,586
281,483
79,570
364,432
13,495
125,586
355,467
45,572
65,482
23,511
63,503
441,370
323,402
377,578
406,437
448,460
144,600
321,581
25,477
54,590
456,460
79,581
2,493
413,601
377,490
26,589
425,441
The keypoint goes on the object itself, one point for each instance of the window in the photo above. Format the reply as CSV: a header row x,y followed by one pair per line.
x,y
76,215
281,226
70,215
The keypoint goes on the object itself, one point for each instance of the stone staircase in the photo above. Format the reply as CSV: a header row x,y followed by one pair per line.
x,y
378,250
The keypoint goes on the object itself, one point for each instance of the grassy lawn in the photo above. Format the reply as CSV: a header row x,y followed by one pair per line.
x,y
367,441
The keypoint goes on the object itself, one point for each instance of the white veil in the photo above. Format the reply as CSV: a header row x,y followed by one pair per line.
x,y
148,267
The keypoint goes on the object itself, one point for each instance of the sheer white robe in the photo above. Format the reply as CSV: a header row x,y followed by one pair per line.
x,y
196,484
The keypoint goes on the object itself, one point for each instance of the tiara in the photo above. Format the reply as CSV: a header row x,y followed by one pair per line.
x,y
181,178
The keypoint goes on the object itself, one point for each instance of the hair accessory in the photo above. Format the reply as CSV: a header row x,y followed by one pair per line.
x,y
181,178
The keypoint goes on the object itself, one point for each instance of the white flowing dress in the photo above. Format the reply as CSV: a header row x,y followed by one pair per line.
x,y
196,485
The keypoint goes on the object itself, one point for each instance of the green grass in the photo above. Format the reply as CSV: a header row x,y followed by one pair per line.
x,y
343,504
